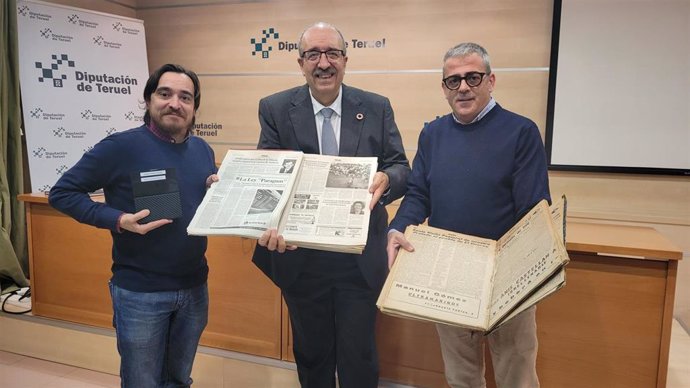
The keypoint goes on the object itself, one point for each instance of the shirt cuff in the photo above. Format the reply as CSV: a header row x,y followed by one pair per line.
x,y
117,225
384,196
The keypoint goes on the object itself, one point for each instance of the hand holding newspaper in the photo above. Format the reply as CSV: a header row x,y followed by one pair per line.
x,y
315,201
478,283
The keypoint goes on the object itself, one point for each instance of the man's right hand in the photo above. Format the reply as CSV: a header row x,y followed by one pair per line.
x,y
129,222
274,241
396,240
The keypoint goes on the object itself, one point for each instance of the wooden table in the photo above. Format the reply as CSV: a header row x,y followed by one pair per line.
x,y
609,327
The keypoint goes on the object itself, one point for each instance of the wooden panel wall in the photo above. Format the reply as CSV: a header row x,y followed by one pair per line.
x,y
214,41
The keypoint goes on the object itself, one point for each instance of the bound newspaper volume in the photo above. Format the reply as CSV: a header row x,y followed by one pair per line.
x,y
478,283
315,201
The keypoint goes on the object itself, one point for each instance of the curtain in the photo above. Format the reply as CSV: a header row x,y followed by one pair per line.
x,y
13,243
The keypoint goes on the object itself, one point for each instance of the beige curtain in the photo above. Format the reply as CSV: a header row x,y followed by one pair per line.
x,y
13,245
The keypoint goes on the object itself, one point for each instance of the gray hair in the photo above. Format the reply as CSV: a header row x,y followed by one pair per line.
x,y
321,25
468,48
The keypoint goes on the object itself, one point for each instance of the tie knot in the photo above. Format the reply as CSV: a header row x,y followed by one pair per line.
x,y
327,113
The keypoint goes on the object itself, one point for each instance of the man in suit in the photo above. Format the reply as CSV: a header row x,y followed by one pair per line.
x,y
332,296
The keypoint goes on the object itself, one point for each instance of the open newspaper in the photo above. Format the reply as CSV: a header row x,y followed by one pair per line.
x,y
472,282
315,201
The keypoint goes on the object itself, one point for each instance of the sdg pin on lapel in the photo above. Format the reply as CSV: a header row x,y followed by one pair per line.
x,y
157,191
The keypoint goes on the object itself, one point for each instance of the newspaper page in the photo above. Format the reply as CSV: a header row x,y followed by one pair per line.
x,y
526,256
557,280
446,279
248,198
329,205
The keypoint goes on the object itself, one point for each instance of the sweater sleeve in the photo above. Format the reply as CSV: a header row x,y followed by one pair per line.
x,y
530,175
93,171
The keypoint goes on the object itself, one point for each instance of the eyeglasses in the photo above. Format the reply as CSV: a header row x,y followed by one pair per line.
x,y
331,55
473,79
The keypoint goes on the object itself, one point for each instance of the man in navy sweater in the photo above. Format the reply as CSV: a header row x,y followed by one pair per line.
x,y
158,287
499,172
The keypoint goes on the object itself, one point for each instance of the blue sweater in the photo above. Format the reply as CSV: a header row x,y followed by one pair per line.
x,y
166,258
476,179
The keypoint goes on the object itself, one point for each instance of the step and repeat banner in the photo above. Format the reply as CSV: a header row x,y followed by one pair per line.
x,y
82,76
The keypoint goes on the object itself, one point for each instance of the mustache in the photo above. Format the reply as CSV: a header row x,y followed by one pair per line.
x,y
319,72
464,96
173,112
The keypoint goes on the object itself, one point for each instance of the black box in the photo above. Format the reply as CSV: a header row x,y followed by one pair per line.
x,y
157,190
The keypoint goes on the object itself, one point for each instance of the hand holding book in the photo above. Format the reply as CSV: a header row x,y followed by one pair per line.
x,y
472,282
288,199
274,241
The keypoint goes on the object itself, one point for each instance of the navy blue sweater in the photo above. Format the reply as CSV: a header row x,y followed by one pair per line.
x,y
165,258
476,179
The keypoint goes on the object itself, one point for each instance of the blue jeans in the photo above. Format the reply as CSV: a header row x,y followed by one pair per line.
x,y
158,334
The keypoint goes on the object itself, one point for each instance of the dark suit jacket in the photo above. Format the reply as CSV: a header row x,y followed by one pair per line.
x,y
367,129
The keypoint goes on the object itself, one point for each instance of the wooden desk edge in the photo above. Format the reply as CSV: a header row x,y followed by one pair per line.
x,y
583,237
43,198
33,197
624,252
636,242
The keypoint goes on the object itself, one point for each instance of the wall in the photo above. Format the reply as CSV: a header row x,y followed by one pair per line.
x,y
213,39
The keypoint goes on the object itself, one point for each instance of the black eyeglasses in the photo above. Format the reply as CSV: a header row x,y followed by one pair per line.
x,y
473,79
315,55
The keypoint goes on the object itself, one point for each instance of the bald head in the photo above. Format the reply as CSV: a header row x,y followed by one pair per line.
x,y
319,26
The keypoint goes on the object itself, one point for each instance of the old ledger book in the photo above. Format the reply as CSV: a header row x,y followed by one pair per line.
x,y
315,201
478,283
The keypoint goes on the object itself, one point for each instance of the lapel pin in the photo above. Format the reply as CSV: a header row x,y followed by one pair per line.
x,y
359,116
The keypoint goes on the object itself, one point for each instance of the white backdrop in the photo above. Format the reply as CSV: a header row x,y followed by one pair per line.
x,y
623,84
82,77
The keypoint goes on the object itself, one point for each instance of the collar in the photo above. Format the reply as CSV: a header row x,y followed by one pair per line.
x,y
337,105
164,136
487,108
